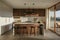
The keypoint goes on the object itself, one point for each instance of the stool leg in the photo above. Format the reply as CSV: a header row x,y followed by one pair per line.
x,y
31,31
26,31
23,31
34,31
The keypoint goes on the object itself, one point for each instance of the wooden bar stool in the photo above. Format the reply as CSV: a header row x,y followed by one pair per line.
x,y
38,30
24,30
32,31
18,29
15,28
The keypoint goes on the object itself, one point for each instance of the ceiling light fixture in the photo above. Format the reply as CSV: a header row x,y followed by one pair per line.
x,y
33,4
29,11
24,3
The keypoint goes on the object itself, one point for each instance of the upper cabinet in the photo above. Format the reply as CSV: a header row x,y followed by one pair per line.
x,y
28,12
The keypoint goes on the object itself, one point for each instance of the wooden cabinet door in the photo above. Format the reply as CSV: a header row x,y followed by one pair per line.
x,y
15,13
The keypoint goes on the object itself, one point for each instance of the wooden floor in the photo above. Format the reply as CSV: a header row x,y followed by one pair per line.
x,y
48,35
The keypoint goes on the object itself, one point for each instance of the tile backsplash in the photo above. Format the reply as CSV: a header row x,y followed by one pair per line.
x,y
32,19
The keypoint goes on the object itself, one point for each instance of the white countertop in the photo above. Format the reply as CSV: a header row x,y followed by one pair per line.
x,y
24,23
35,24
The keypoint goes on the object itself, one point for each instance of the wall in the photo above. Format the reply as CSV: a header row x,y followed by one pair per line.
x,y
6,17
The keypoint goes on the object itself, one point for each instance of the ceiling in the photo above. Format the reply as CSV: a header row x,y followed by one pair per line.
x,y
30,3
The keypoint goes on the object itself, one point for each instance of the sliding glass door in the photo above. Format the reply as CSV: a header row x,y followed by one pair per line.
x,y
51,18
54,18
58,19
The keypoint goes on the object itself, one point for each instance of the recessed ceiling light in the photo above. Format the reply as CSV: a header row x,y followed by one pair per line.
x,y
33,4
24,3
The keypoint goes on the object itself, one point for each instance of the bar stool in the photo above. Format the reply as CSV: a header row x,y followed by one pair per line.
x,y
32,31
38,32
15,28
25,30
21,30
18,28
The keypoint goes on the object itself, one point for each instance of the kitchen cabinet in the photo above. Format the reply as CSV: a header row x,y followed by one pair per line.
x,y
28,12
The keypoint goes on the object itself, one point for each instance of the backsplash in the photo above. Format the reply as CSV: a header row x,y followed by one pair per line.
x,y
30,19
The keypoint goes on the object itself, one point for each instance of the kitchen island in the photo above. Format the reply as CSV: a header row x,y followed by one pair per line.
x,y
25,28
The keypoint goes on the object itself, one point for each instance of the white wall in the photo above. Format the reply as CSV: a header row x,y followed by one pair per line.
x,y
6,17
